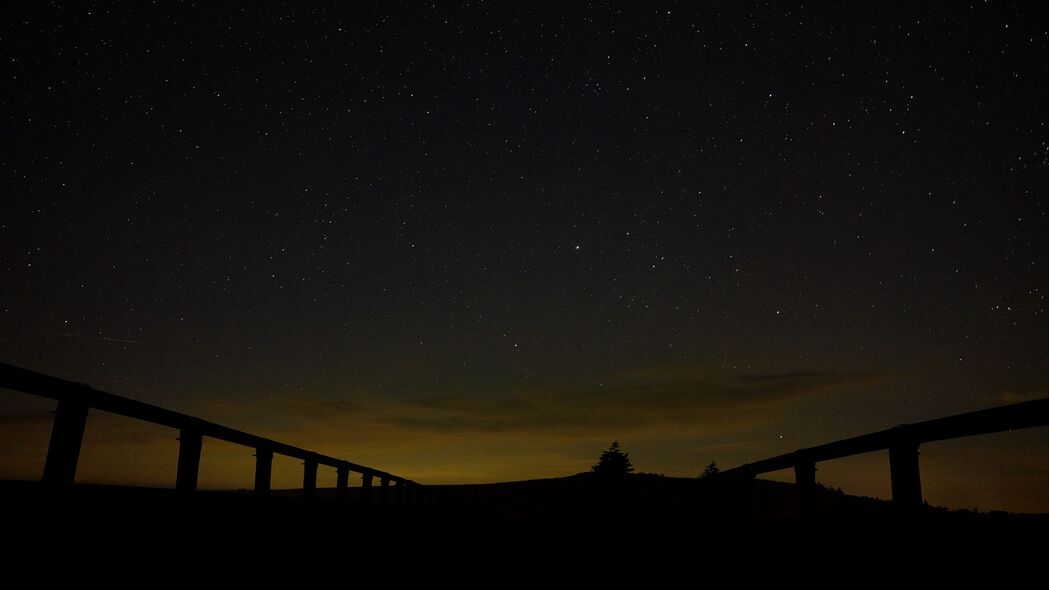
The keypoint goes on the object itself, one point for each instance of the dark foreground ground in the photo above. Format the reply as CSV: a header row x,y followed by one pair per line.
x,y
642,532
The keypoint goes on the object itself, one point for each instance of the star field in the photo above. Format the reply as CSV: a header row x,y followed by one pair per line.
x,y
482,207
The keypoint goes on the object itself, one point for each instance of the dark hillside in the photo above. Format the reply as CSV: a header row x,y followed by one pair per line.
x,y
636,530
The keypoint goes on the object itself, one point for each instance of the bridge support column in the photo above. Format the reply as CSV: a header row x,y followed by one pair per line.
x,y
263,471
67,433
906,477
740,489
366,488
384,490
190,442
805,484
342,483
309,478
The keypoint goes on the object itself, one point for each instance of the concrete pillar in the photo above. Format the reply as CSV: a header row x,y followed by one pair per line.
x,y
906,476
190,443
805,484
742,492
366,488
263,471
384,490
342,483
309,478
67,433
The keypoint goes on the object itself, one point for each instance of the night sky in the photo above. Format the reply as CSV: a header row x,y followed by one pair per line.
x,y
478,242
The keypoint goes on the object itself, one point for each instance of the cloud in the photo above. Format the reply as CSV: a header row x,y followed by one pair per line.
x,y
672,416
651,401
1015,397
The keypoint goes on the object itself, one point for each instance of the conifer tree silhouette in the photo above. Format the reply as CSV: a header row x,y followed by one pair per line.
x,y
710,471
613,461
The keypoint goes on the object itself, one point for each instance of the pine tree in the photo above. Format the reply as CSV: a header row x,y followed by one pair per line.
x,y
710,471
613,462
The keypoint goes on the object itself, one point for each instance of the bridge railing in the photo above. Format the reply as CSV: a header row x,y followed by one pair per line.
x,y
902,442
75,400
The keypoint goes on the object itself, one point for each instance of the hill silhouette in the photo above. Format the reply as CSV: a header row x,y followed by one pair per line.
x,y
636,530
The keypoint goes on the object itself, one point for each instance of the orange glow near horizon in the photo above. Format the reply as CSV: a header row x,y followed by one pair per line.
x,y
1004,471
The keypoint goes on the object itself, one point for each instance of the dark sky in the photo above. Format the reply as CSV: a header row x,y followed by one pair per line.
x,y
476,242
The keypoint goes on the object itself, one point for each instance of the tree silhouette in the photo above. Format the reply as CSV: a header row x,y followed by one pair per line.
x,y
710,471
613,462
